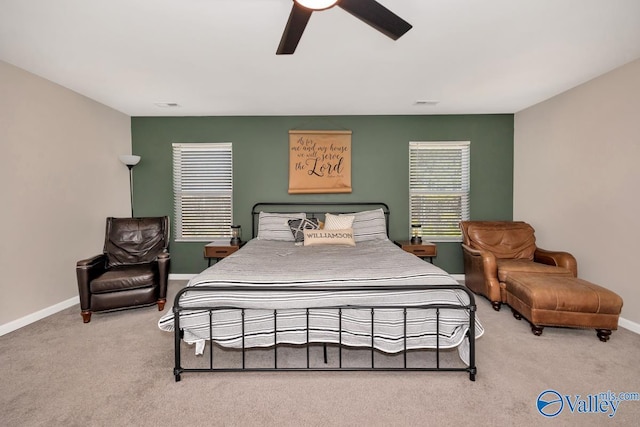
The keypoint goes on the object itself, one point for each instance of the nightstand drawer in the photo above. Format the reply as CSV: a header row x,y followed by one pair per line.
x,y
219,251
422,250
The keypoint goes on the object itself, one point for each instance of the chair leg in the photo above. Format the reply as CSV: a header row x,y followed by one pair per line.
x,y
603,334
496,305
516,314
537,330
86,316
161,303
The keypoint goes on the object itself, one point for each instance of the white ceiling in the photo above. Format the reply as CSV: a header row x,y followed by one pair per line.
x,y
217,57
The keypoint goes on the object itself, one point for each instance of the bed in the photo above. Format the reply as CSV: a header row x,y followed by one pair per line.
x,y
279,294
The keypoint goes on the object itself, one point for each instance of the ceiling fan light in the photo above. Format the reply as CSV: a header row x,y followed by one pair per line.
x,y
317,4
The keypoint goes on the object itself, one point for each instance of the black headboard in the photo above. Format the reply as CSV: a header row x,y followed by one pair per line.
x,y
314,210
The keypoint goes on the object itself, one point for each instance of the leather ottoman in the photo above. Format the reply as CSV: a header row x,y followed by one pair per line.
x,y
548,300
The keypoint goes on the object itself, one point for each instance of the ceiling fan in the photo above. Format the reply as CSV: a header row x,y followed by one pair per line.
x,y
368,11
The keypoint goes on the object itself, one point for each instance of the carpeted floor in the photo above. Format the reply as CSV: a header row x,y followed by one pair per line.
x,y
117,371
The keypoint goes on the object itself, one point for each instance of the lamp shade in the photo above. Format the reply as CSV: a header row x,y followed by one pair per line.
x,y
130,159
317,4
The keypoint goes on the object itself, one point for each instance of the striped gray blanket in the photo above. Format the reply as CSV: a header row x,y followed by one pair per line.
x,y
275,264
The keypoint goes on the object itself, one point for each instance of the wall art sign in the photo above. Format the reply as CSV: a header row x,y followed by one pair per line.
x,y
319,161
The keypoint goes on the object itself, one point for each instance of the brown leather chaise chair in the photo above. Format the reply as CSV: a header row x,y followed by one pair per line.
x,y
132,271
494,249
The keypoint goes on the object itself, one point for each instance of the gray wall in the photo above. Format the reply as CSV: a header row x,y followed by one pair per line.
x,y
380,146
577,178
60,177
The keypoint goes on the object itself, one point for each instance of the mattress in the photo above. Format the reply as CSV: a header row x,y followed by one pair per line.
x,y
348,277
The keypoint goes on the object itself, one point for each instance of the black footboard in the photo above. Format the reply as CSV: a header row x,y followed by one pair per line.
x,y
340,347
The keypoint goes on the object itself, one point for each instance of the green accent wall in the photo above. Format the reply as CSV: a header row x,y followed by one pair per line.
x,y
380,166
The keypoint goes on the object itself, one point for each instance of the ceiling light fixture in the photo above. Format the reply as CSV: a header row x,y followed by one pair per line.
x,y
427,102
317,4
370,12
167,104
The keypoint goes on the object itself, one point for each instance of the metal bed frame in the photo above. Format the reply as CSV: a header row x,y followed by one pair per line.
x,y
327,207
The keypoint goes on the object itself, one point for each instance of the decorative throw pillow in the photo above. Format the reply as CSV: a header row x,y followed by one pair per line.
x,y
329,237
337,222
274,226
370,225
297,227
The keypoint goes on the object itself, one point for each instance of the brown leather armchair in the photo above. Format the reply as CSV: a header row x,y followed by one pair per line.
x,y
494,249
132,271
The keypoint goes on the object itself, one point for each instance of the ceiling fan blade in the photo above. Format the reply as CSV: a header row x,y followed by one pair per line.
x,y
378,16
296,24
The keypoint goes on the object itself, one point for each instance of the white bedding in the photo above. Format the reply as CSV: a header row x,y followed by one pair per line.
x,y
371,263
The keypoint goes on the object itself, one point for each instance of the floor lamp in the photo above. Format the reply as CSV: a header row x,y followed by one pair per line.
x,y
130,161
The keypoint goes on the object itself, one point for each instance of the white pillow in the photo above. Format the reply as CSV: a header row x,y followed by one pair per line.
x,y
275,226
329,237
337,222
370,225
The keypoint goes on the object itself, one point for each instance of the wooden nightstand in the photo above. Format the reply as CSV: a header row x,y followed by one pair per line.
x,y
219,249
422,250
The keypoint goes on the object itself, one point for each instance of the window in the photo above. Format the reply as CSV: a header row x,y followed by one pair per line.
x,y
439,188
202,190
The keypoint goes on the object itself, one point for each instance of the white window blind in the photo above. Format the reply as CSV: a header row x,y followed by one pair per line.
x,y
439,188
202,190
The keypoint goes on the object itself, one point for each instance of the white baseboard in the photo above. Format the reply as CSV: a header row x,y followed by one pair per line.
x,y
41,314
628,324
181,276
622,322
45,312
459,278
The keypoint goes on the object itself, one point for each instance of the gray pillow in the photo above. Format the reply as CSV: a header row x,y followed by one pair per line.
x,y
274,226
370,225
